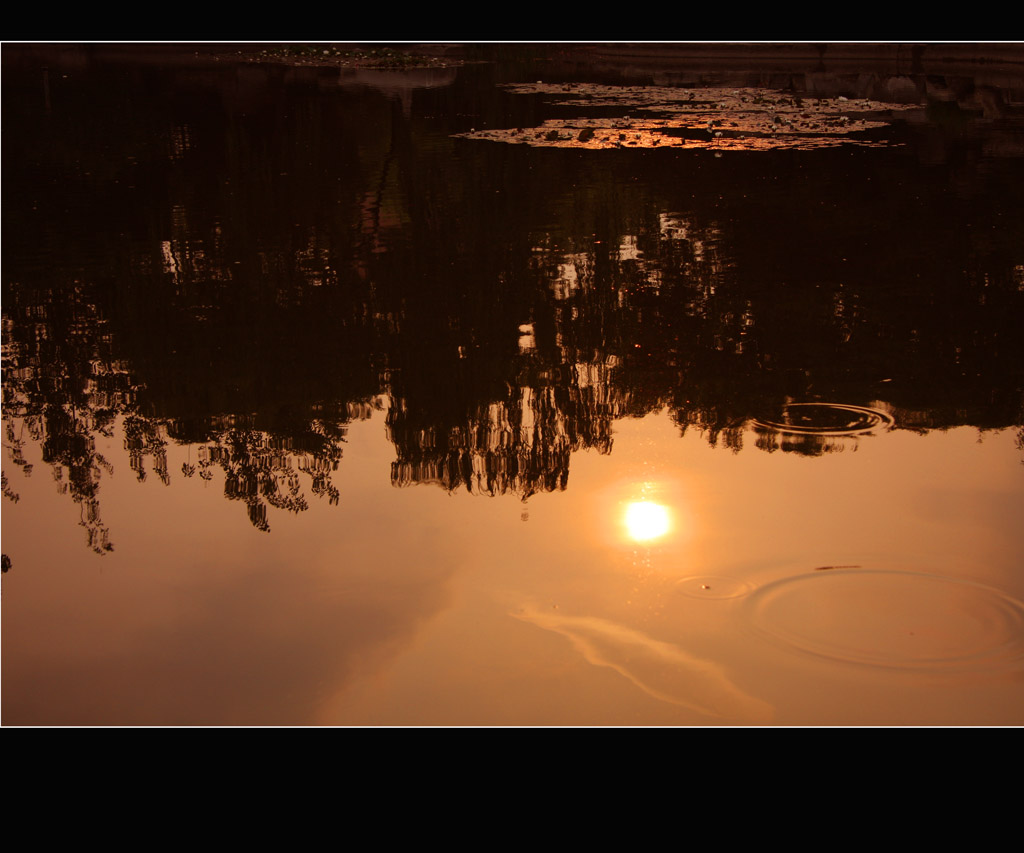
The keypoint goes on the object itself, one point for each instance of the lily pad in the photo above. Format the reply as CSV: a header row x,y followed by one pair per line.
x,y
746,119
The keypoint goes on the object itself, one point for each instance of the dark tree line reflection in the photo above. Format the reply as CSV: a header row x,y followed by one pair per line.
x,y
247,262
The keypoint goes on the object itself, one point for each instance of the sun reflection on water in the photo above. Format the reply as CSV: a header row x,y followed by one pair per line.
x,y
646,520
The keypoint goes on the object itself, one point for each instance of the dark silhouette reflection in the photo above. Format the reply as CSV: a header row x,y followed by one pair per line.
x,y
271,468
142,439
62,391
245,261
520,444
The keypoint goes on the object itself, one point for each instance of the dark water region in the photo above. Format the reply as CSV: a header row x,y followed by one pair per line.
x,y
275,288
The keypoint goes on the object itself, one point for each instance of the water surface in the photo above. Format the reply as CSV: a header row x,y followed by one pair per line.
x,y
327,401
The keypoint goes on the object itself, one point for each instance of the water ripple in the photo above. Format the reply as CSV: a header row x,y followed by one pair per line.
x,y
826,419
895,619
714,586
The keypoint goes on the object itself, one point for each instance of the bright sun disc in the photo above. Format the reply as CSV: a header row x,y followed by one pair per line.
x,y
647,520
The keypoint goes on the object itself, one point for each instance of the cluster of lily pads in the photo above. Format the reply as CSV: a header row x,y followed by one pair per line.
x,y
720,118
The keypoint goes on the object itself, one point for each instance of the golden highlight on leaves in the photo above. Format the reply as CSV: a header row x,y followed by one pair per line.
x,y
718,119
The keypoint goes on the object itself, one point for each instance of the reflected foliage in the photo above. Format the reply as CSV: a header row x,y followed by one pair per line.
x,y
266,469
244,260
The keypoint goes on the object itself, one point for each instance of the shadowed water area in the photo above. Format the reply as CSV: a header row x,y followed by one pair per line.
x,y
512,386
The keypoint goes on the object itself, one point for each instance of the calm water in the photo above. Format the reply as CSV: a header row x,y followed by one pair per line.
x,y
328,400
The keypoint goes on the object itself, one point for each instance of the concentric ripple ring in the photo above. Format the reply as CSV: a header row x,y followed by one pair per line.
x,y
826,419
894,619
714,587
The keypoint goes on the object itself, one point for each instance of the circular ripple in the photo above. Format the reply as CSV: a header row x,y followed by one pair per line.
x,y
826,419
896,619
714,586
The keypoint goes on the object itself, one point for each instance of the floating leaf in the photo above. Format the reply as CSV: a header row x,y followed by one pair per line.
x,y
720,119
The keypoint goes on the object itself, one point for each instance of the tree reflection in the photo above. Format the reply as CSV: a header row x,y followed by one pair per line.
x,y
264,469
201,271
62,391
